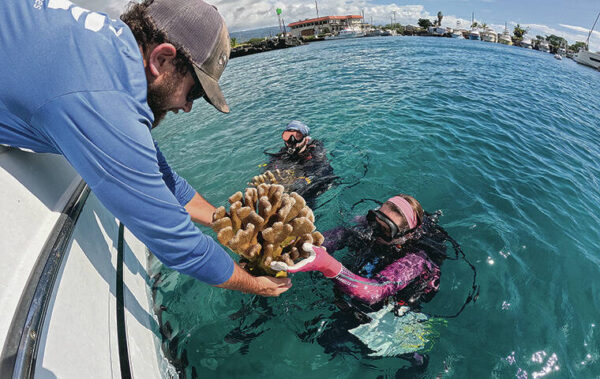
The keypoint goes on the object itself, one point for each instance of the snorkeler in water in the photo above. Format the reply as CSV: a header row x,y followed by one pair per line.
x,y
303,163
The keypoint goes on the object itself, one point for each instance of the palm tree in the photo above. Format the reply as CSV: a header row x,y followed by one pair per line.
x,y
440,16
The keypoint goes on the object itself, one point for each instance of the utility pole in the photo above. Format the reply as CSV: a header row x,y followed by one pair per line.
x,y
394,12
317,8
362,21
278,10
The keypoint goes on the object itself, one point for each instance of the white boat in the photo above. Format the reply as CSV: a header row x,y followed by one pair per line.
x,y
505,37
489,35
526,43
347,33
474,34
558,56
73,282
544,46
457,33
586,57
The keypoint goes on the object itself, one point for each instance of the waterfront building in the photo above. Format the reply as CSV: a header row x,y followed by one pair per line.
x,y
331,24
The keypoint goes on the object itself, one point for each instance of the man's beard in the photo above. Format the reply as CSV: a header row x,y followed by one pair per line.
x,y
159,94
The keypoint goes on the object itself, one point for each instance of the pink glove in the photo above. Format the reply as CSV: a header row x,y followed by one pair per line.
x,y
319,260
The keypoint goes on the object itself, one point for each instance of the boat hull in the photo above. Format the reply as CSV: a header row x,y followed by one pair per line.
x,y
588,58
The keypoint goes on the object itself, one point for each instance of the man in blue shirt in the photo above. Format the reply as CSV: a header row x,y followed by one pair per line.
x,y
77,83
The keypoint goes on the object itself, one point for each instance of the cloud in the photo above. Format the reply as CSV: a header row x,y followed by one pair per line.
x,y
250,14
262,13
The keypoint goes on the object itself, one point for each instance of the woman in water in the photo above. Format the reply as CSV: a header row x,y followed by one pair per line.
x,y
396,254
389,260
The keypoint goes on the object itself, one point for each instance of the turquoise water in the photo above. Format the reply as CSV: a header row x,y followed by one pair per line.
x,y
505,141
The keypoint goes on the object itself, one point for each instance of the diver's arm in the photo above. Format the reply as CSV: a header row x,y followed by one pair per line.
x,y
200,210
389,281
261,285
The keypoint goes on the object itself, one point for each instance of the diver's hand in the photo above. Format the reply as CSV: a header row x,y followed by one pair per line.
x,y
318,260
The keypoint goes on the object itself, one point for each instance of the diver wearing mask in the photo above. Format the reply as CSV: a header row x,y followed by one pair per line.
x,y
298,143
302,162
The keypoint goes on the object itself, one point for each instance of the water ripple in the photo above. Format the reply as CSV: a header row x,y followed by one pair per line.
x,y
505,141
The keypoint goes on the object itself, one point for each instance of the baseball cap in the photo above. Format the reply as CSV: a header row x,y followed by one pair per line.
x,y
299,126
199,29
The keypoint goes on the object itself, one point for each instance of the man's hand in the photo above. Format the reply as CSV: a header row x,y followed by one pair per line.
x,y
262,285
273,286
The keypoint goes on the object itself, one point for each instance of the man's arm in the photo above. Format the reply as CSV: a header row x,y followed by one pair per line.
x,y
102,136
200,210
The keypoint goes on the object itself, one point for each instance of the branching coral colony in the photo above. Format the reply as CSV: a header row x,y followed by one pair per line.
x,y
283,177
264,224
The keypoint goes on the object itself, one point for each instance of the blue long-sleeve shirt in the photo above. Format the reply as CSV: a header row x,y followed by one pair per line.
x,y
72,82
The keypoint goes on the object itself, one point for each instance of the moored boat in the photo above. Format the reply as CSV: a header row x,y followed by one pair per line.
x,y
586,57
505,37
347,33
474,34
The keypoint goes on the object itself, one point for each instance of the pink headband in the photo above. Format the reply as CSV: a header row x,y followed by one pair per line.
x,y
407,210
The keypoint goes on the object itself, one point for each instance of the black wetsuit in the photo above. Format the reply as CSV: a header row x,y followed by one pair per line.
x,y
309,171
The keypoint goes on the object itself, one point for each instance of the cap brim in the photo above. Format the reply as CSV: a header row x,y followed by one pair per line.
x,y
214,95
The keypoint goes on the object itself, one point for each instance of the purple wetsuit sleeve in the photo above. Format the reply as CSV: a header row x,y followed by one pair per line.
x,y
182,190
334,239
105,138
390,280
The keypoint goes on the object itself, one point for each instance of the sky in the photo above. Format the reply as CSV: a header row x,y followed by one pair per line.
x,y
568,19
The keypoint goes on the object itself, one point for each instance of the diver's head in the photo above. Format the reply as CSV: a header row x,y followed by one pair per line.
x,y
296,137
395,221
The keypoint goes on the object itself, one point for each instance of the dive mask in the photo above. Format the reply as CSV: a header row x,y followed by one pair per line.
x,y
392,234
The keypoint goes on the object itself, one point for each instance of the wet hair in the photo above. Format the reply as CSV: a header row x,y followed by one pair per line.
x,y
146,33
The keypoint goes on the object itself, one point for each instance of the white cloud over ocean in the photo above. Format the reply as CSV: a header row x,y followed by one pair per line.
x,y
250,14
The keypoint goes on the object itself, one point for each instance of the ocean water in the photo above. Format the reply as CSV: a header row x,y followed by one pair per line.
x,y
504,141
